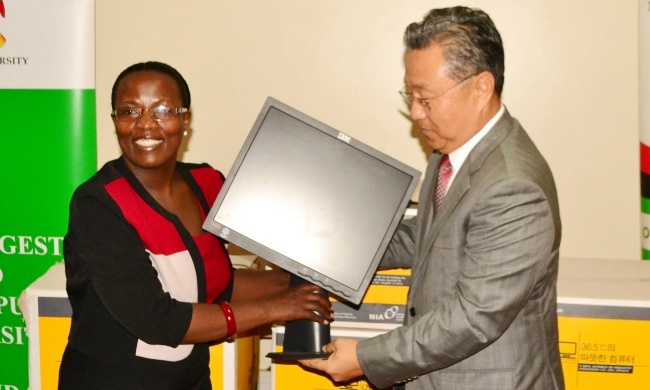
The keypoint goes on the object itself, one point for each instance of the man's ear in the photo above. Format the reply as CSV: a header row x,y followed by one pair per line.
x,y
484,86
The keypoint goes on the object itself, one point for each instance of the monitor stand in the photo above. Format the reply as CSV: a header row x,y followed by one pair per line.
x,y
303,339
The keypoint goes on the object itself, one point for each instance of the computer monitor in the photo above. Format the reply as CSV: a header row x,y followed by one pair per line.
x,y
312,200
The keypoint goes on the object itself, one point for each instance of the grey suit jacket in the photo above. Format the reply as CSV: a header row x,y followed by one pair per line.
x,y
482,302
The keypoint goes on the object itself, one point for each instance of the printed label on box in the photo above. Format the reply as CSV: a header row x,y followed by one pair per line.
x,y
369,313
604,347
383,306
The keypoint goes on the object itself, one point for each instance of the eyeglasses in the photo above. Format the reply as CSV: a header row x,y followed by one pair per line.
x,y
425,102
159,113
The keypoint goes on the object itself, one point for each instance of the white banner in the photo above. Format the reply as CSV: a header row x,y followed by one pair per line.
x,y
48,44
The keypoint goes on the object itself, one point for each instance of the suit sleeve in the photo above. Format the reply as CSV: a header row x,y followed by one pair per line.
x,y
505,251
400,251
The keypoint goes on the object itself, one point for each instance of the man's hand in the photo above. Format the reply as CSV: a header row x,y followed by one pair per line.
x,y
342,364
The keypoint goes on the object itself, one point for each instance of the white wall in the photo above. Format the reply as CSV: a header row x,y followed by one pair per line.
x,y
571,80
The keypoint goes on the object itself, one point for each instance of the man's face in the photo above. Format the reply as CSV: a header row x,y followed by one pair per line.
x,y
444,109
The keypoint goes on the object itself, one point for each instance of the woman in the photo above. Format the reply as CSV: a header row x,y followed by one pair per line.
x,y
149,288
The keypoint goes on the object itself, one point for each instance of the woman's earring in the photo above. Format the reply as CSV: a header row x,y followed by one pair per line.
x,y
185,133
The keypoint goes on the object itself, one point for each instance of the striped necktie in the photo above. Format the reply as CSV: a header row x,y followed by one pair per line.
x,y
444,174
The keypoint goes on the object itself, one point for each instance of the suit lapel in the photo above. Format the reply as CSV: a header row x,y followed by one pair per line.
x,y
425,205
432,224
458,188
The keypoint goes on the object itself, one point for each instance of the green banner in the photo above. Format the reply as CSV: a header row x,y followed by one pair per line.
x,y
47,148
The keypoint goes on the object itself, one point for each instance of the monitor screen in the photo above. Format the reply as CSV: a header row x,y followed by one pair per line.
x,y
312,200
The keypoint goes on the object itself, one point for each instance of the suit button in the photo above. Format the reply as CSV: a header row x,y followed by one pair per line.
x,y
412,312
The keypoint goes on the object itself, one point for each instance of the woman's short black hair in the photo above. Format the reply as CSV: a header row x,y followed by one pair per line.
x,y
154,66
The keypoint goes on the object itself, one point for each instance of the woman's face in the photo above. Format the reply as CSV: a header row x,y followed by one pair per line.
x,y
148,142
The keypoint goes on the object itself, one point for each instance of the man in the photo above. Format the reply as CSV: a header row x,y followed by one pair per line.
x,y
482,303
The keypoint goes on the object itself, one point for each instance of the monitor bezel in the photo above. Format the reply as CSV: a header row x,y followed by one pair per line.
x,y
292,265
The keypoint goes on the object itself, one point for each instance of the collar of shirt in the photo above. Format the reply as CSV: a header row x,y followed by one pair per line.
x,y
458,156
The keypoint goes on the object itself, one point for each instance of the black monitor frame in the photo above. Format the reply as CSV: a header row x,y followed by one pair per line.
x,y
247,240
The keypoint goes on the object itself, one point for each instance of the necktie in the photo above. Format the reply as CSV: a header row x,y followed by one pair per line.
x,y
444,174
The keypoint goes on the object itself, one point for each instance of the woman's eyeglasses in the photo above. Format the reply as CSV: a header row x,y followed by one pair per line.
x,y
159,113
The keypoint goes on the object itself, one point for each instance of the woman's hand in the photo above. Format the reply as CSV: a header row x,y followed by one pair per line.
x,y
301,302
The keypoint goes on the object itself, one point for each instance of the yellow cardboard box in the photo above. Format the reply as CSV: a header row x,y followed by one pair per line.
x,y
605,353
47,313
231,364
604,322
